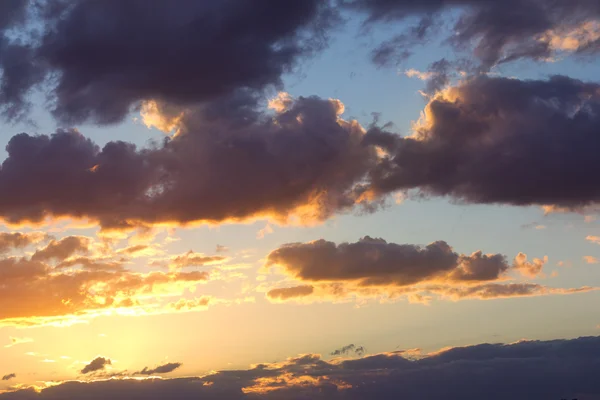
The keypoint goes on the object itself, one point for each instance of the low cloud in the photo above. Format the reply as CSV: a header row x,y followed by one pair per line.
x,y
541,369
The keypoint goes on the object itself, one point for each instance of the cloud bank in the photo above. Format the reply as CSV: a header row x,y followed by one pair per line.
x,y
533,370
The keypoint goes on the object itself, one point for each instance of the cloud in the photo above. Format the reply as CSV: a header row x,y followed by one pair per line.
x,y
539,369
290,292
34,292
538,30
267,230
97,364
161,369
350,349
62,249
8,377
593,239
221,249
376,269
591,260
17,240
529,269
18,340
191,259
525,126
303,164
373,261
246,46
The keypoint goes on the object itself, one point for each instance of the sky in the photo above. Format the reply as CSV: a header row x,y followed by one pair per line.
x,y
316,199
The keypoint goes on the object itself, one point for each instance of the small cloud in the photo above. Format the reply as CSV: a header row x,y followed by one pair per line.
x,y
534,225
530,269
97,364
9,377
349,350
567,264
593,239
47,360
18,340
161,369
221,249
264,231
590,218
591,260
422,75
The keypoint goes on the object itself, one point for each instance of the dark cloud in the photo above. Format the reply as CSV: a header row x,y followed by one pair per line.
x,y
17,240
526,370
59,250
500,141
8,377
494,31
228,162
350,349
153,51
161,369
376,269
97,364
12,12
372,262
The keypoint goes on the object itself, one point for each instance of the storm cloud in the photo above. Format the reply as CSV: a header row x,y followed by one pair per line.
x,y
532,370
181,55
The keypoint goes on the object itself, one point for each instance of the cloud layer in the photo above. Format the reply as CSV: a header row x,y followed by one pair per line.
x,y
533,370
76,277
